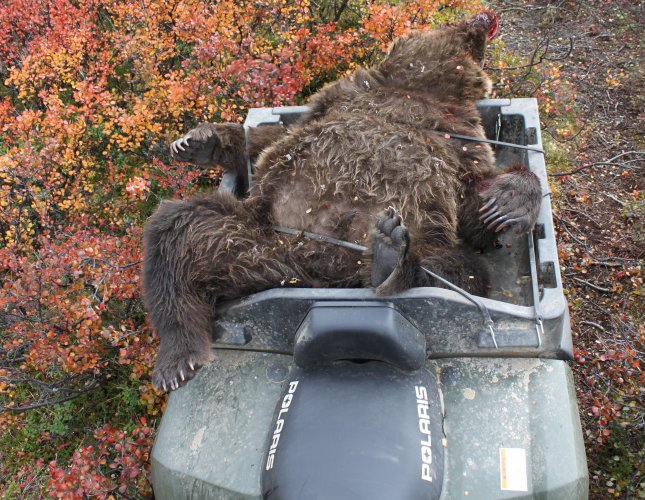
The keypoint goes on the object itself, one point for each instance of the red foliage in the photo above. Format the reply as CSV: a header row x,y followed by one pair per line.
x,y
91,91
119,463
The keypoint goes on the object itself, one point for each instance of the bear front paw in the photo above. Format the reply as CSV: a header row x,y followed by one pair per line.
x,y
197,146
173,369
513,201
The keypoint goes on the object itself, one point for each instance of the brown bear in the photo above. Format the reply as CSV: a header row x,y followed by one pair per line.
x,y
371,164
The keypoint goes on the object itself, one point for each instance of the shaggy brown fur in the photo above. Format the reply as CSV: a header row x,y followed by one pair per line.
x,y
369,143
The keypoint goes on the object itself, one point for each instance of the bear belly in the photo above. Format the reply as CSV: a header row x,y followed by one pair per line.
x,y
318,209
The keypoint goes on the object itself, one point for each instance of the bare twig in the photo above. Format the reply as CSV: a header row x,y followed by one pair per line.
x,y
610,162
595,325
51,392
33,406
543,46
566,229
584,214
606,261
591,285
590,165
526,8
612,197
606,264
340,10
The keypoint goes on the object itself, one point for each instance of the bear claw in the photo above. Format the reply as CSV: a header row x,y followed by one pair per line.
x,y
513,201
174,372
179,145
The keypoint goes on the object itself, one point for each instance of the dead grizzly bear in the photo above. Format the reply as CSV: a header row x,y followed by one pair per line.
x,y
371,141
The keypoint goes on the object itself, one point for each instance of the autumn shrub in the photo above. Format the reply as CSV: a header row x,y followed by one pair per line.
x,y
91,93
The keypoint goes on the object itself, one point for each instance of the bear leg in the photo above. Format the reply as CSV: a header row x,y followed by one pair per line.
x,y
395,268
198,252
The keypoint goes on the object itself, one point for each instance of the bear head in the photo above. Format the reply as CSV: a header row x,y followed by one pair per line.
x,y
445,62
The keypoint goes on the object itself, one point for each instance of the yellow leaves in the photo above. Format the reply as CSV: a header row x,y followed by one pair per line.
x,y
154,401
614,78
134,126
54,63
28,119
176,94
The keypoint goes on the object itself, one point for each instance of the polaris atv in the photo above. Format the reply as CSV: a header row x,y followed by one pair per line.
x,y
338,394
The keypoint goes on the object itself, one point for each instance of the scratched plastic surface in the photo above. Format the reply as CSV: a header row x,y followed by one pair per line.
x,y
212,441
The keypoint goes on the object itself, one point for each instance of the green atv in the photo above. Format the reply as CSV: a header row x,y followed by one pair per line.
x,y
432,393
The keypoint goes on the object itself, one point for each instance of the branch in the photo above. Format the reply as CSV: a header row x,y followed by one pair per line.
x,y
584,214
566,229
527,8
53,393
611,162
591,323
591,285
590,165
545,45
340,10
33,406
531,62
611,197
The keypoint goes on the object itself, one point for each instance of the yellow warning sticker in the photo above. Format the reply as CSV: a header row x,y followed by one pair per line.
x,y
512,469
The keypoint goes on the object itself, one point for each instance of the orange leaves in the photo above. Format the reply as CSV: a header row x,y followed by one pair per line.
x,y
62,51
385,22
65,322
93,90
137,188
615,78
134,126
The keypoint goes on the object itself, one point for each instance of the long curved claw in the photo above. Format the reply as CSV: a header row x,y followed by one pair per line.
x,y
505,224
490,203
180,145
192,365
498,220
181,375
490,215
165,387
492,210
